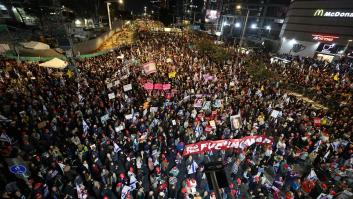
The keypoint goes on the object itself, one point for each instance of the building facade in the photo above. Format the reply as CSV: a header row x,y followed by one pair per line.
x,y
318,28
265,19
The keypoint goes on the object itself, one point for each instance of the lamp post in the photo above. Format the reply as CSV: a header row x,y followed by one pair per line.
x,y
110,22
244,28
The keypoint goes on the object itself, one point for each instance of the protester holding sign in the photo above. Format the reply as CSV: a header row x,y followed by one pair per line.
x,y
109,134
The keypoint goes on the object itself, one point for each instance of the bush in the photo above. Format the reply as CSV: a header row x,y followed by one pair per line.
x,y
216,53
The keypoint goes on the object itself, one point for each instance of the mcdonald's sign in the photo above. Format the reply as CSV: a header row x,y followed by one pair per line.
x,y
319,12
323,13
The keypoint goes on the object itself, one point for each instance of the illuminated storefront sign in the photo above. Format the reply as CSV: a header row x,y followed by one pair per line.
x,y
323,13
324,37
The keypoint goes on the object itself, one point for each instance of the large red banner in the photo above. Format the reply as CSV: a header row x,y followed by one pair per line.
x,y
242,143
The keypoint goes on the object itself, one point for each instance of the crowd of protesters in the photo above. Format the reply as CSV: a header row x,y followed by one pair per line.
x,y
76,141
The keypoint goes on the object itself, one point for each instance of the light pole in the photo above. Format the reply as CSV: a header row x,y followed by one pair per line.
x,y
244,28
110,22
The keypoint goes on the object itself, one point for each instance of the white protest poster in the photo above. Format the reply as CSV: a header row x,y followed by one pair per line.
x,y
111,96
128,116
235,121
324,196
119,128
173,122
104,118
116,83
206,105
125,191
217,103
213,124
109,85
274,113
127,87
231,84
144,112
153,109
198,103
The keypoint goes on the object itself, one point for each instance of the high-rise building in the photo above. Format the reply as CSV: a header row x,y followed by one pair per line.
x,y
265,18
318,28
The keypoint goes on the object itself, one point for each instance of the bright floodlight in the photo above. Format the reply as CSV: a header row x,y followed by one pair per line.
x,y
238,7
293,41
120,1
237,25
268,27
253,26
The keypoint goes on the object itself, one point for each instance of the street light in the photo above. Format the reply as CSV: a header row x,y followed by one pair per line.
x,y
121,2
253,26
237,25
238,7
110,22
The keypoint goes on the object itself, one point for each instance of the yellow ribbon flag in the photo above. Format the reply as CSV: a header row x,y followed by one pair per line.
x,y
336,77
172,74
324,121
69,73
262,88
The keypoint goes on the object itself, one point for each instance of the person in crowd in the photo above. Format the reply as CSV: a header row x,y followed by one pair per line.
x,y
89,135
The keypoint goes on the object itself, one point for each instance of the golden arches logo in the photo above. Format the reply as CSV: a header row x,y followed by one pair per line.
x,y
319,12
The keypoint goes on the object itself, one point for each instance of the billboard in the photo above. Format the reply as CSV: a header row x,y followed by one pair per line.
x,y
212,16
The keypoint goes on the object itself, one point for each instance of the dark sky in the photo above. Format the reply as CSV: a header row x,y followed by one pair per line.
x,y
136,5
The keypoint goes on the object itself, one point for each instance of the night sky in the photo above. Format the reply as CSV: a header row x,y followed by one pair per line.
x,y
136,5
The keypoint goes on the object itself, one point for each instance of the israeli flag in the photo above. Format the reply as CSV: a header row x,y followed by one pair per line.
x,y
312,175
116,148
85,127
192,167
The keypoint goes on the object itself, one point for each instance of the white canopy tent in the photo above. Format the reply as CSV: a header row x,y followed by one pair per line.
x,y
54,63
4,48
36,45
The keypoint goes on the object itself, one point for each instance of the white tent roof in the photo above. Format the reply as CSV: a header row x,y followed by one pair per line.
x,y
4,48
54,63
36,45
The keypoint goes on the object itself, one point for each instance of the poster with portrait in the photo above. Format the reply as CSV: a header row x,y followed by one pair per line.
x,y
235,121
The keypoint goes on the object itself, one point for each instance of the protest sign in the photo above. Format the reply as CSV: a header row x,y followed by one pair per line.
x,y
127,87
213,124
119,128
206,105
317,122
172,74
153,109
111,96
109,85
217,103
104,118
242,143
158,86
235,121
128,116
166,87
149,68
198,103
148,86
116,83
275,113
